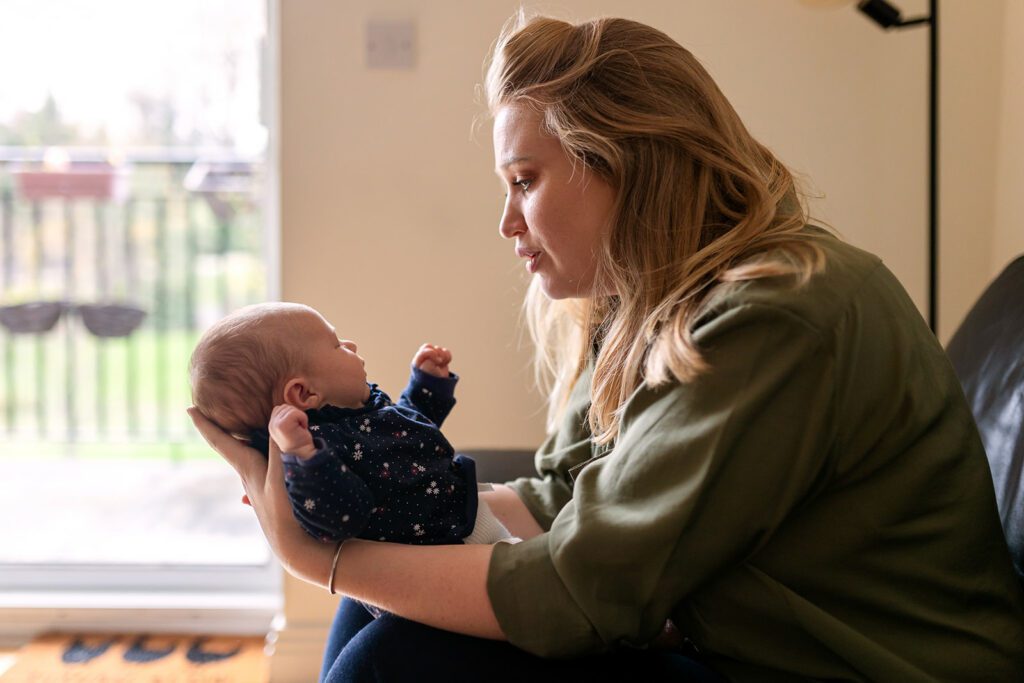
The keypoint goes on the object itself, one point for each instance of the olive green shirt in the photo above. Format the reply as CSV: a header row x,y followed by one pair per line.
x,y
816,506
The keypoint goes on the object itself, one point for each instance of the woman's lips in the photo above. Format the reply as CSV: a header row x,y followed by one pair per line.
x,y
532,258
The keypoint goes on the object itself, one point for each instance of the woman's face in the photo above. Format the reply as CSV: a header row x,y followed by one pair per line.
x,y
558,212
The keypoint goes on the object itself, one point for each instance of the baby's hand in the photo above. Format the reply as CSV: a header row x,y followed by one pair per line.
x,y
433,360
289,428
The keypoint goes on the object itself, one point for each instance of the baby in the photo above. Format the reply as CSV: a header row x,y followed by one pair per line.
x,y
356,464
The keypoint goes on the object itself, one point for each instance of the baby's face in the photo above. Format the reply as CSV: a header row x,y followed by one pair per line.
x,y
336,372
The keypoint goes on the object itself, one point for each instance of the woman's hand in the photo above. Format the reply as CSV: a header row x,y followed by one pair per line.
x,y
263,480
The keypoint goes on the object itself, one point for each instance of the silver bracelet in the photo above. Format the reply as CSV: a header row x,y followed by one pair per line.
x,y
334,566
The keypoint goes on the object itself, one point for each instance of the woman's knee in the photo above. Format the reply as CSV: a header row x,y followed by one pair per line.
x,y
394,649
349,620
382,651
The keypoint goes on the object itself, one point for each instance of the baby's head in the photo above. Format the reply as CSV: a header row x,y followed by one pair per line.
x,y
272,353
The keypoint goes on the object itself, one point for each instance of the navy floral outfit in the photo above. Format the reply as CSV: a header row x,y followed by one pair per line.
x,y
384,472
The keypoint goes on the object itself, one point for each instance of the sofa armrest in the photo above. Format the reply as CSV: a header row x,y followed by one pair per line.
x,y
501,465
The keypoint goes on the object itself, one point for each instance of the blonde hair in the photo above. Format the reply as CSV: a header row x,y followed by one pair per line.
x,y
699,203
238,369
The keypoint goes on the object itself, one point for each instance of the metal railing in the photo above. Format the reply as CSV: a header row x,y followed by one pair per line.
x,y
182,246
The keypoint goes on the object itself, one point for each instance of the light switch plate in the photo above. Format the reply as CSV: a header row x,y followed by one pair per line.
x,y
391,44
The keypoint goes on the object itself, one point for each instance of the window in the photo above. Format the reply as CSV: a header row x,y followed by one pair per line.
x,y
136,208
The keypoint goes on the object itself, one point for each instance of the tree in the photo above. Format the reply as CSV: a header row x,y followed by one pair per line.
x,y
41,128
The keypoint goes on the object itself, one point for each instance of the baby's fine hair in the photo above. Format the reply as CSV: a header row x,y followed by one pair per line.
x,y
240,365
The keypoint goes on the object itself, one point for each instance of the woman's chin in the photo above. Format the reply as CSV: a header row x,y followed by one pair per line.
x,y
559,289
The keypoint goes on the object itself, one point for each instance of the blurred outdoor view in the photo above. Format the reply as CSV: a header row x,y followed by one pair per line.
x,y
133,144
131,172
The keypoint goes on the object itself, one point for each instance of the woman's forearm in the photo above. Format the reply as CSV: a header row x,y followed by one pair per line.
x,y
444,586
509,508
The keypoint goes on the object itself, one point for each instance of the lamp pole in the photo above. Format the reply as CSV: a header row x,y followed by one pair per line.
x,y
933,166
888,17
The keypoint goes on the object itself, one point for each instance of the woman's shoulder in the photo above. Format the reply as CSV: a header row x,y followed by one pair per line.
x,y
849,278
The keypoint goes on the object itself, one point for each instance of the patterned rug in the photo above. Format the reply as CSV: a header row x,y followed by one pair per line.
x,y
92,658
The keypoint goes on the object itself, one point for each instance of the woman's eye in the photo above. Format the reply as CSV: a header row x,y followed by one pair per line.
x,y
522,183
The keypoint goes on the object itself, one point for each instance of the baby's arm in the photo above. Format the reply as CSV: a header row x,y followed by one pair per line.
x,y
330,501
431,388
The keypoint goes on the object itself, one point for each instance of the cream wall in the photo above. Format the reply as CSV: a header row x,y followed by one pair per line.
x,y
973,63
1008,238
389,207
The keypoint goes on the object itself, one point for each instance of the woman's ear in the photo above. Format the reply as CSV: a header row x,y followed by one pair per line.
x,y
298,393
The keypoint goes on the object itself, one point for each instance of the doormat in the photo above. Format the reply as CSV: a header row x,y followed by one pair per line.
x,y
132,658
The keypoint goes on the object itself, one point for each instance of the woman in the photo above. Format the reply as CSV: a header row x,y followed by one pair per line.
x,y
753,433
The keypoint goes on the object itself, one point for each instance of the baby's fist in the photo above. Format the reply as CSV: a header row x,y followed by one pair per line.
x,y
289,428
433,360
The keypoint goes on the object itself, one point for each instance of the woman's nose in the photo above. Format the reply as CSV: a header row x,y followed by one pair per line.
x,y
512,222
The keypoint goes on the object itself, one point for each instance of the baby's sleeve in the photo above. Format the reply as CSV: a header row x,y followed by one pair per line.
x,y
433,397
330,501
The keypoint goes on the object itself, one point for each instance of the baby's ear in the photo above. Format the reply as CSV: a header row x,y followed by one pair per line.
x,y
298,393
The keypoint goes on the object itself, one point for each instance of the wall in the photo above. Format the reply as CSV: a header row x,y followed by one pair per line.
x,y
1008,237
972,63
390,207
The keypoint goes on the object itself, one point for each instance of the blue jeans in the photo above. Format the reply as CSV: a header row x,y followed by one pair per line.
x,y
361,648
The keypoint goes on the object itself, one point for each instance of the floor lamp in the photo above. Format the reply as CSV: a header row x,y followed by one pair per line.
x,y
889,17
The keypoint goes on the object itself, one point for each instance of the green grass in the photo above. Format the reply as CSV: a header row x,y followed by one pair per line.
x,y
112,415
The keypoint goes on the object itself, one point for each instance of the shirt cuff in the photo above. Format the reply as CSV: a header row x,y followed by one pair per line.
x,y
433,382
532,606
